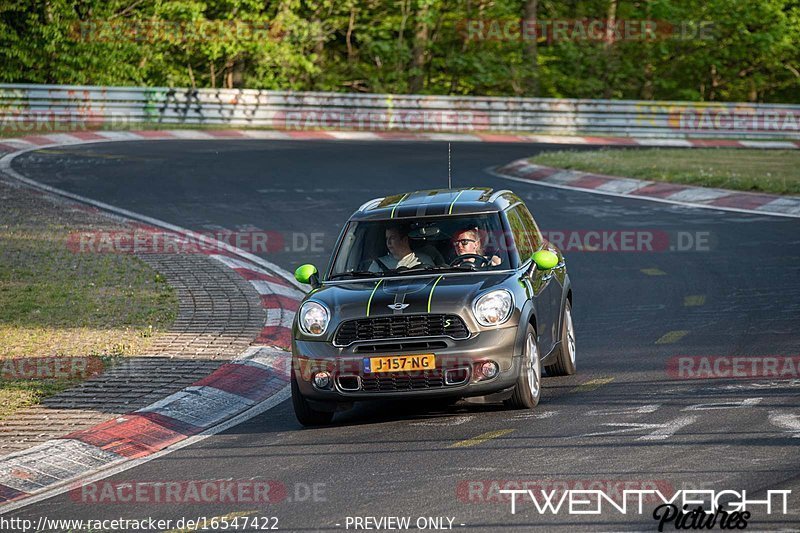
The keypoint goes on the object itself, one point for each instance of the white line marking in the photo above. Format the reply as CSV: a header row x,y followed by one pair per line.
x,y
788,421
783,205
698,194
279,317
265,287
621,185
202,407
450,421
269,357
62,138
669,429
191,135
537,416
764,385
492,171
116,136
664,142
563,177
662,431
555,139
266,135
642,409
768,144
749,402
454,137
355,135
58,459
20,144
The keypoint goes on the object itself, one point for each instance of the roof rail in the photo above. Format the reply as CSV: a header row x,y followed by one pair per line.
x,y
369,203
497,194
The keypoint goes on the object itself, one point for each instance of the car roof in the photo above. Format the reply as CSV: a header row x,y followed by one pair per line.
x,y
436,202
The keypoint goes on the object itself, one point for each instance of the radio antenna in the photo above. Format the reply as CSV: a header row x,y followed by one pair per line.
x,y
449,179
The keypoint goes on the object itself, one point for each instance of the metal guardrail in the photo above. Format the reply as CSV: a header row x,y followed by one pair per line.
x,y
29,108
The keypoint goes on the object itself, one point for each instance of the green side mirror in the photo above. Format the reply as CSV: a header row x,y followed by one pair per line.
x,y
304,273
545,259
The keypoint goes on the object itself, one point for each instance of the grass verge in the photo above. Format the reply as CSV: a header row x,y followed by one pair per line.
x,y
771,171
56,303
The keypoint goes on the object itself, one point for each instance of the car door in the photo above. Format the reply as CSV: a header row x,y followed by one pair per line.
x,y
525,238
551,288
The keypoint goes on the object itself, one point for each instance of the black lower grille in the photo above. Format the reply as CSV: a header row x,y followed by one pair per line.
x,y
401,382
401,326
397,347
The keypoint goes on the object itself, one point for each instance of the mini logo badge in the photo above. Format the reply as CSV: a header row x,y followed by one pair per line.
x,y
398,307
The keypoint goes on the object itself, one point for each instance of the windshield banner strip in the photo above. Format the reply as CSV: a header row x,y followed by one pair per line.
x,y
369,302
430,296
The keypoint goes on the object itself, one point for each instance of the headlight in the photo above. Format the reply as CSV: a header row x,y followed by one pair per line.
x,y
314,319
493,308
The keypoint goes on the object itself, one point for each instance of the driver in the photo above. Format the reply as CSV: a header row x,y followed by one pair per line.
x,y
468,241
400,252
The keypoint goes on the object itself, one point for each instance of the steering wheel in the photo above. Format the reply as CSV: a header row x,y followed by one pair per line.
x,y
463,258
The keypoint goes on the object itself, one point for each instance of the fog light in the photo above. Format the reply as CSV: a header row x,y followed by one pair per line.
x,y
489,369
322,380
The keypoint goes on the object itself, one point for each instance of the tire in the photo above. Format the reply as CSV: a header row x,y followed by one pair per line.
x,y
303,411
528,389
565,364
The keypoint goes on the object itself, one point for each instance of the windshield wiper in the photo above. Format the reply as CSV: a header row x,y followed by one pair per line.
x,y
358,273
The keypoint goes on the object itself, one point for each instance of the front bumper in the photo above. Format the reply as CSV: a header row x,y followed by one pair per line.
x,y
346,366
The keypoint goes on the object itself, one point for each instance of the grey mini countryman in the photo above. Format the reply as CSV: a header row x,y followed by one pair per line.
x,y
441,295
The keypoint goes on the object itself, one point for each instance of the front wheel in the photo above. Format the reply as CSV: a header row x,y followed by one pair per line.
x,y
565,364
529,383
304,413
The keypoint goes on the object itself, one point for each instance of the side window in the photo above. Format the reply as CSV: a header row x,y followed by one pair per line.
x,y
518,229
531,228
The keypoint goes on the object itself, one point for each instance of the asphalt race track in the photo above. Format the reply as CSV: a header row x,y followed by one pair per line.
x,y
623,418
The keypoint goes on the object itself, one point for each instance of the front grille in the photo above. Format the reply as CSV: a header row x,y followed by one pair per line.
x,y
427,379
401,326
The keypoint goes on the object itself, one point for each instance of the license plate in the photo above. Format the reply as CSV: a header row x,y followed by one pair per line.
x,y
399,363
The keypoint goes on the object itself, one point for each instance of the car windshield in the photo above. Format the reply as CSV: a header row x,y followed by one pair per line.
x,y
393,247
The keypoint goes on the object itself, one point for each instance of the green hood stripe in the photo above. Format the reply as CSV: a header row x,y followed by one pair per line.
x,y
395,207
430,296
450,212
369,302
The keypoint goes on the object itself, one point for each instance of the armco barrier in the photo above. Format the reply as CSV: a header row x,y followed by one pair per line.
x,y
26,109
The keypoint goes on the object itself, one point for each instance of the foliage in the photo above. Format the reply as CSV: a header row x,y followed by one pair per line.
x,y
745,51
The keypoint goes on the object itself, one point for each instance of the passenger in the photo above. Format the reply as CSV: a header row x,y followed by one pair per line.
x,y
400,252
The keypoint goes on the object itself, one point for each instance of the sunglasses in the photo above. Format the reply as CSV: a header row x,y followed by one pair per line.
x,y
463,242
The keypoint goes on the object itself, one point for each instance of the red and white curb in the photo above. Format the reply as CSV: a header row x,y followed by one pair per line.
x,y
249,385
741,202
40,141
